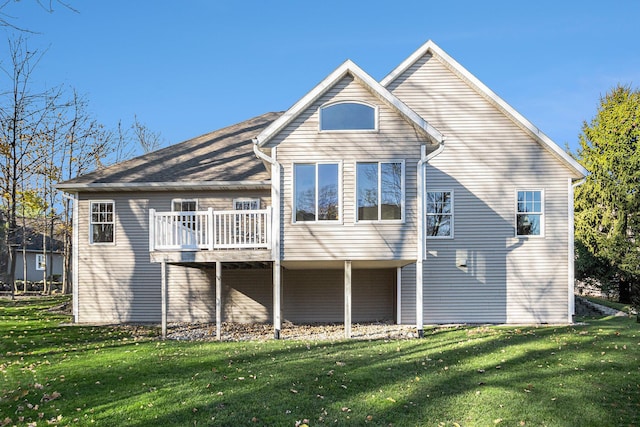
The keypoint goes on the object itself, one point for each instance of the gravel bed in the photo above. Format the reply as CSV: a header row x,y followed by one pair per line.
x,y
289,331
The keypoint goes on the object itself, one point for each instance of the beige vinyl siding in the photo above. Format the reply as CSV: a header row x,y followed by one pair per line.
x,y
117,282
301,142
487,158
318,295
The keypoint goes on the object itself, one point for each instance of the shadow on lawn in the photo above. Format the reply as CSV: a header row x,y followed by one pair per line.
x,y
462,374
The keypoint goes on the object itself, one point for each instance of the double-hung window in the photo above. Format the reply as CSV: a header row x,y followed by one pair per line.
x,y
439,211
380,191
246,204
530,213
41,262
185,206
316,196
102,222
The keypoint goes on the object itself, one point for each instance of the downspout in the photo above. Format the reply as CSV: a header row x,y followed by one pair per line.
x,y
571,249
275,234
422,184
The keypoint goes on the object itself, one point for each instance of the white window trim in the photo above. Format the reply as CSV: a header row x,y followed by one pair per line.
x,y
349,101
453,212
246,199
403,189
542,215
91,242
179,200
293,196
41,259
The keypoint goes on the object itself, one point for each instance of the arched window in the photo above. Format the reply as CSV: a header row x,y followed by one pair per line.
x,y
347,116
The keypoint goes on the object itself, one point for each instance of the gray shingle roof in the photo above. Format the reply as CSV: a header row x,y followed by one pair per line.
x,y
224,155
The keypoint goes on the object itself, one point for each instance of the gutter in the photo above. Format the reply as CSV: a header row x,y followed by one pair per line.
x,y
422,185
162,186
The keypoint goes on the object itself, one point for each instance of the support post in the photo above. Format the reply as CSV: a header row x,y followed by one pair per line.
x,y
277,295
218,300
163,267
347,299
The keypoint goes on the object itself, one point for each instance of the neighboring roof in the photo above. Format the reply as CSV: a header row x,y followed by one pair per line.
x,y
223,159
34,239
349,68
433,49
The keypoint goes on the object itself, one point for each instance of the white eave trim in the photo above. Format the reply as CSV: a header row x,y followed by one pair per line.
x,y
431,47
348,67
164,186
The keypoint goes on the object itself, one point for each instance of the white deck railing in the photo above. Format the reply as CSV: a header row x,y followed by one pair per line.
x,y
209,230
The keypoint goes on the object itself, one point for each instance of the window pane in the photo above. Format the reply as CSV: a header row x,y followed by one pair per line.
x,y
367,191
529,225
305,191
327,192
102,233
347,116
439,225
391,190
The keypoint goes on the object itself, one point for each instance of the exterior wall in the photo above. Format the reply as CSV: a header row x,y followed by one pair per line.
x,y
487,158
33,274
318,295
301,142
117,282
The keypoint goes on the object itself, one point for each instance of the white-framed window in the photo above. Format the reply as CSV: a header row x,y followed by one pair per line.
x,y
102,222
246,204
41,262
348,116
439,211
529,213
184,205
380,191
316,194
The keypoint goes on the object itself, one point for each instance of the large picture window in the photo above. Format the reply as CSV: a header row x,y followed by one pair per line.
x,y
439,214
347,116
530,213
102,222
380,190
316,192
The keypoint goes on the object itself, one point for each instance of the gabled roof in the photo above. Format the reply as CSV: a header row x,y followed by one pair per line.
x,y
431,48
348,68
222,159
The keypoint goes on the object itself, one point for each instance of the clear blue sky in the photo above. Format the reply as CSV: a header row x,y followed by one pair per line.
x,y
190,67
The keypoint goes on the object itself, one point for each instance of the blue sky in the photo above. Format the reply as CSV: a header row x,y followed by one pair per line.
x,y
189,67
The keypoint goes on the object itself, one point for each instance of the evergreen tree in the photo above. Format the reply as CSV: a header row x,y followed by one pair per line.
x,y
608,203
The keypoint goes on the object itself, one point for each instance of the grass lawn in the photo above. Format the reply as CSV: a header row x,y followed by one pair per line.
x,y
581,375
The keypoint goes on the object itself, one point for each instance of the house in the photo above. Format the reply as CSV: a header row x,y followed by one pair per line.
x,y
422,199
31,258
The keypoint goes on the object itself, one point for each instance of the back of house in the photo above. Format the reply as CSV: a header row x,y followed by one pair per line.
x,y
420,199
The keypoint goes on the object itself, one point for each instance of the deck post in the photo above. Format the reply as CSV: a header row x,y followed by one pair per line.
x,y
218,300
347,299
277,295
163,268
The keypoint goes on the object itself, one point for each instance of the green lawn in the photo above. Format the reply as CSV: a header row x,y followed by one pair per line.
x,y
582,375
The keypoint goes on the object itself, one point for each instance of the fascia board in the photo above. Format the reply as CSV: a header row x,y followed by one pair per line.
x,y
302,104
544,140
347,67
166,186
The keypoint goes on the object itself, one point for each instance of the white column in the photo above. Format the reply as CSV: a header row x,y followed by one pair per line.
x,y
347,299
75,260
163,267
277,295
398,295
218,300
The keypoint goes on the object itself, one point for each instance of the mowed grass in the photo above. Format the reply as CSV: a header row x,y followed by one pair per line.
x,y
581,375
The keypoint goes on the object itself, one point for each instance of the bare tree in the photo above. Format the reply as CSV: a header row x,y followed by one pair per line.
x,y
146,138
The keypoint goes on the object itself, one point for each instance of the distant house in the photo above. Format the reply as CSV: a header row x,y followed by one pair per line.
x,y
420,199
36,259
